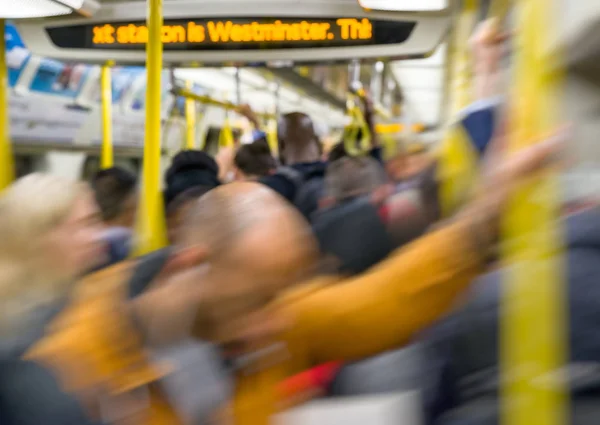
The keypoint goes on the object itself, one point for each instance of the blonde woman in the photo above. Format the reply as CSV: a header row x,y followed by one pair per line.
x,y
49,236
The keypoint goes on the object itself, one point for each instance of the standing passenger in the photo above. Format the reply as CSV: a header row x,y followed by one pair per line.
x,y
49,237
115,190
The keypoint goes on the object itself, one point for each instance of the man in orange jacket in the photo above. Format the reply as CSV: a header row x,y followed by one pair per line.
x,y
242,279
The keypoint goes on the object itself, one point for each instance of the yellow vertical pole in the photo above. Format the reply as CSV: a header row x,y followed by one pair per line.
x,y
106,158
190,121
7,167
151,227
272,137
534,312
457,158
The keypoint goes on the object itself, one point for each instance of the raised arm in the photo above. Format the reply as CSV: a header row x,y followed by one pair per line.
x,y
385,307
388,305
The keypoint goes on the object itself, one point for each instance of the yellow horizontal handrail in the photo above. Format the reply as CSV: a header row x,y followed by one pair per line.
x,y
207,100
379,109
399,128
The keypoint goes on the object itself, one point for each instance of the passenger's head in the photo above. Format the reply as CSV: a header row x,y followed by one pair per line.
x,y
298,141
254,160
253,243
115,190
190,169
337,152
49,235
352,177
179,208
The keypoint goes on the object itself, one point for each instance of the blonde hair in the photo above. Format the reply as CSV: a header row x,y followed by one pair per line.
x,y
31,208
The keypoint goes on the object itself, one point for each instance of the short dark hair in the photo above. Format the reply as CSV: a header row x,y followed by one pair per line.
x,y
185,197
112,188
349,177
255,159
189,169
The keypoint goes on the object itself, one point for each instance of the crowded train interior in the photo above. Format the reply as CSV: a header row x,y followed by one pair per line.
x,y
299,212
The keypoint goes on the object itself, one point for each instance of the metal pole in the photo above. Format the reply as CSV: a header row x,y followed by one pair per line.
x,y
376,82
106,158
190,121
278,99
7,168
151,221
238,87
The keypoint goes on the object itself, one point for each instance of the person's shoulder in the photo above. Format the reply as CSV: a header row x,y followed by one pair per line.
x,y
146,269
31,395
282,182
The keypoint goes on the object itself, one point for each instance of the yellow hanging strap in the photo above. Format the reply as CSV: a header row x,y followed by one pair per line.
x,y
358,125
226,135
151,231
534,313
272,137
457,158
106,157
190,120
7,167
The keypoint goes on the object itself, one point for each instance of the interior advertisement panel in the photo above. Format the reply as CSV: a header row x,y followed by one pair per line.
x,y
58,78
47,108
122,82
17,55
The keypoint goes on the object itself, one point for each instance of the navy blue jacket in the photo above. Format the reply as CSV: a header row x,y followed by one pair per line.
x,y
463,349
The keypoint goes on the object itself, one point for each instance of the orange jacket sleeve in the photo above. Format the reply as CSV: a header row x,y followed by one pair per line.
x,y
386,306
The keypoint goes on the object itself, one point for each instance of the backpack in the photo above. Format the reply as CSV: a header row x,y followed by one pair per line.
x,y
309,188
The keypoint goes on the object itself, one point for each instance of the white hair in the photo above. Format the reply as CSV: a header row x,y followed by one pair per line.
x,y
29,209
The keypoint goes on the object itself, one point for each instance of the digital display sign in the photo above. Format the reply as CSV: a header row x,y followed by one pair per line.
x,y
236,34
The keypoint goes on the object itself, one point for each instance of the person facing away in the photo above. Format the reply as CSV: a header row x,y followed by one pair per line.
x,y
231,282
254,160
49,236
300,179
115,191
188,169
349,225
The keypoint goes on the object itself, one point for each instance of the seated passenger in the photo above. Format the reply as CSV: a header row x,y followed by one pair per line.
x,y
115,190
49,237
254,161
228,283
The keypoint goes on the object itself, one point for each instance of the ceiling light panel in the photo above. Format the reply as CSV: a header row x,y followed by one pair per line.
x,y
404,5
17,9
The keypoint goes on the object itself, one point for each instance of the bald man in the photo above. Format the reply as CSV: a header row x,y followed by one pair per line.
x,y
243,279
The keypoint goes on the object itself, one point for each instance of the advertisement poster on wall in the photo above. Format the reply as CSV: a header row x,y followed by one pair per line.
x,y
59,79
139,97
122,82
17,56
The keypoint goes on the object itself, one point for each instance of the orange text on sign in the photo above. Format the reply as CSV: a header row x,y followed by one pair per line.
x,y
229,32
